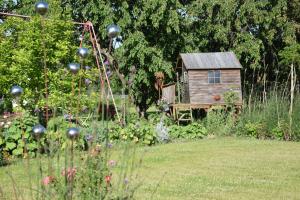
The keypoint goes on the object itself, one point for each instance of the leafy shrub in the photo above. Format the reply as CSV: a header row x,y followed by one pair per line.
x,y
230,98
56,134
192,131
155,118
5,105
281,130
219,121
254,129
17,139
141,131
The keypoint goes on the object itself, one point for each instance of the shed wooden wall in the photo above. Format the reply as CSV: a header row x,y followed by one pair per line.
x,y
168,93
201,92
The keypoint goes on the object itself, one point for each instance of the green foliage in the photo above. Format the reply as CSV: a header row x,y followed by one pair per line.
x,y
155,118
269,119
254,129
16,139
230,98
23,64
141,132
194,130
219,121
56,134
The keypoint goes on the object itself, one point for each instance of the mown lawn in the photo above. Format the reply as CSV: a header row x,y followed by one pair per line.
x,y
221,168
224,168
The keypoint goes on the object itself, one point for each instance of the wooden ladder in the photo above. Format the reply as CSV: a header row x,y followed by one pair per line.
x,y
182,113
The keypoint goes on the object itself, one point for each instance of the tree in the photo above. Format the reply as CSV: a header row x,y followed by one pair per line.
x,y
151,39
22,58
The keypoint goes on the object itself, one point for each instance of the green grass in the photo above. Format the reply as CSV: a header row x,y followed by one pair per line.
x,y
224,168
221,168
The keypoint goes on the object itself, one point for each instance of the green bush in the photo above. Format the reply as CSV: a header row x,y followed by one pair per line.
x,y
270,119
192,131
219,121
155,118
56,134
17,139
140,132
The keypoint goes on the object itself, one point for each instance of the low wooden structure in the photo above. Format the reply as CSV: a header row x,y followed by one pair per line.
x,y
204,79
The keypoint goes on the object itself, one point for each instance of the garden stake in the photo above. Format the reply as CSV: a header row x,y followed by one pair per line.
x,y
72,165
40,170
66,178
106,77
45,67
102,92
79,95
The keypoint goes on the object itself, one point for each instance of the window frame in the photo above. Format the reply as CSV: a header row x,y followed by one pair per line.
x,y
211,78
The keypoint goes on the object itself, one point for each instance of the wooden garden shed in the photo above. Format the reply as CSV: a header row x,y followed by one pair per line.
x,y
205,78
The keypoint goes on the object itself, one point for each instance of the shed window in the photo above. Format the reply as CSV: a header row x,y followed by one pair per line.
x,y
185,77
214,76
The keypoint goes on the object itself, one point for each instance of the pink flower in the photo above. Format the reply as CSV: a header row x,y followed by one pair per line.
x,y
108,179
112,163
47,180
70,173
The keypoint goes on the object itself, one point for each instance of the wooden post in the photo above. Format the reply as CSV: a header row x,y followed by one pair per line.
x,y
293,83
178,88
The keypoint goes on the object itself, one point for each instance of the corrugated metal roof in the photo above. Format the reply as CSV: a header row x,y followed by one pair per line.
x,y
217,60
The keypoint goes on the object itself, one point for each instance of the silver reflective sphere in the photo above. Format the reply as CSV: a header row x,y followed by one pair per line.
x,y
41,7
74,67
38,131
113,30
72,133
83,52
16,91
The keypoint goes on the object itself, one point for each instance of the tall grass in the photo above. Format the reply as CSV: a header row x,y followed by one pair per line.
x,y
271,118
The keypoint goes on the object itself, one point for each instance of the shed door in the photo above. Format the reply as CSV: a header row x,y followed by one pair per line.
x,y
185,87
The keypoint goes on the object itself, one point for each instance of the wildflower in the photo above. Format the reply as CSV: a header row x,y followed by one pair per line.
x,y
89,137
126,181
108,179
87,82
47,180
5,115
70,173
112,163
96,150
37,110
85,109
109,145
106,62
